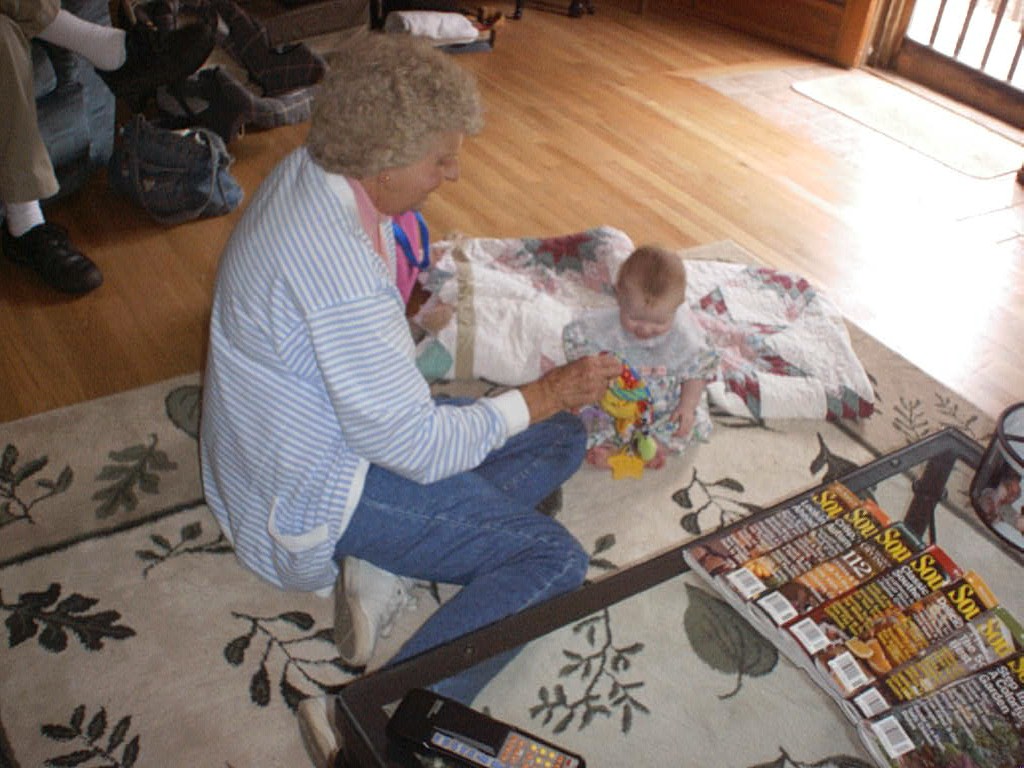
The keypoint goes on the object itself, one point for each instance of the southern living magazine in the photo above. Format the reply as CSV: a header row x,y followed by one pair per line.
x,y
775,567
992,635
889,620
730,548
800,595
976,721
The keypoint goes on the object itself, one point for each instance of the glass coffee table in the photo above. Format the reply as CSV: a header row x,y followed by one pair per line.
x,y
923,483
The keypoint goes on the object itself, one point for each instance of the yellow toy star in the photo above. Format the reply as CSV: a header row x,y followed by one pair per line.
x,y
626,465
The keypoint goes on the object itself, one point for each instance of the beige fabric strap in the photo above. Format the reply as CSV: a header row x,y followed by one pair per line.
x,y
465,317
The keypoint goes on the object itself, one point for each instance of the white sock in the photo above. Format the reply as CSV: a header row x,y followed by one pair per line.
x,y
100,44
21,217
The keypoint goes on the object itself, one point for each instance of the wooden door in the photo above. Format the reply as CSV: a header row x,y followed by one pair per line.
x,y
836,30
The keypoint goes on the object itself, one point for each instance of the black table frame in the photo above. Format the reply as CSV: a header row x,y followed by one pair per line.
x,y
359,705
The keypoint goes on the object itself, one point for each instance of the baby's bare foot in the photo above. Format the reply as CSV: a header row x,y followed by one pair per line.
x,y
599,455
659,459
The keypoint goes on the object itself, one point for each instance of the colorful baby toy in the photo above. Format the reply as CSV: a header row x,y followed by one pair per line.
x,y
629,402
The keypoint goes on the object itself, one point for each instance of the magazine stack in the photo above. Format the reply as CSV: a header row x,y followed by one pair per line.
x,y
916,651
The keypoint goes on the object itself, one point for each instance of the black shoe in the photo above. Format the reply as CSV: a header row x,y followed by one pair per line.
x,y
46,249
156,57
207,100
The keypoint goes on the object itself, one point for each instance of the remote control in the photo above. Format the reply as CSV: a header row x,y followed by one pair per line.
x,y
428,723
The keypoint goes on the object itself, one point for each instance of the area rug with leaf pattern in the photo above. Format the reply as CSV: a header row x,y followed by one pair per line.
x,y
132,636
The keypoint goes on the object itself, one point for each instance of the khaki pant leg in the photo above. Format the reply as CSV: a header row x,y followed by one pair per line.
x,y
26,172
33,16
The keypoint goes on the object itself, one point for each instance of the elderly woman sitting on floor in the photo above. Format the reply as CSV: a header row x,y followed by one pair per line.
x,y
324,454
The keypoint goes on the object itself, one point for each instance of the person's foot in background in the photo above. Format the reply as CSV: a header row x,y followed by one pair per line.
x,y
155,57
46,249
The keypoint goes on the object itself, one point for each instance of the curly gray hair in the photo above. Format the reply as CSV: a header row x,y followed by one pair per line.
x,y
385,96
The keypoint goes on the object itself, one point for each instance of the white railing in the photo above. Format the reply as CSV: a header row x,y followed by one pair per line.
x,y
986,35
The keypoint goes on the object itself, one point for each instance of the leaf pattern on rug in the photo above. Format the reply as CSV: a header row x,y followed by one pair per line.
x,y
835,466
911,419
188,544
953,414
605,664
90,736
70,614
134,469
183,406
602,670
297,670
724,640
13,506
720,496
832,761
603,544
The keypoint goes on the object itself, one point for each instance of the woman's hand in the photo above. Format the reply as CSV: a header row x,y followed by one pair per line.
x,y
570,386
582,381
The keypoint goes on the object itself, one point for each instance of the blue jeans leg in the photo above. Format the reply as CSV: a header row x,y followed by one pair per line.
x,y
480,530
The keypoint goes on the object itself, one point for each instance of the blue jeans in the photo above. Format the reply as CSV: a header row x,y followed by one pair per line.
x,y
480,530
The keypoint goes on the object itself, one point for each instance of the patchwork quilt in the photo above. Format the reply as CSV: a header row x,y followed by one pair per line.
x,y
497,308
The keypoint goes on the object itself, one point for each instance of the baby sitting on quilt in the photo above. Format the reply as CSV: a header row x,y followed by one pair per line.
x,y
655,334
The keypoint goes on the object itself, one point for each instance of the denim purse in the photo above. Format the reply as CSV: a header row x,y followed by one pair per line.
x,y
176,176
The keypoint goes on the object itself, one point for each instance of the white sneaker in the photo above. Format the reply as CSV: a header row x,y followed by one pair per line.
x,y
367,600
319,730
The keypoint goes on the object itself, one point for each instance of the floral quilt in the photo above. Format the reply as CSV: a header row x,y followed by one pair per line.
x,y
497,308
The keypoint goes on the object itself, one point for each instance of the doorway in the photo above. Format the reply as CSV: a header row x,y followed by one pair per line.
x,y
969,50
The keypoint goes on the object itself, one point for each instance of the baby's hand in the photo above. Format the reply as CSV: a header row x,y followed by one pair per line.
x,y
685,417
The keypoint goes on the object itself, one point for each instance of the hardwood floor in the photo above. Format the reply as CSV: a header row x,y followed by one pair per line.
x,y
599,120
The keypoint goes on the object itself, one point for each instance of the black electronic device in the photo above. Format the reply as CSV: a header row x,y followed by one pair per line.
x,y
427,723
